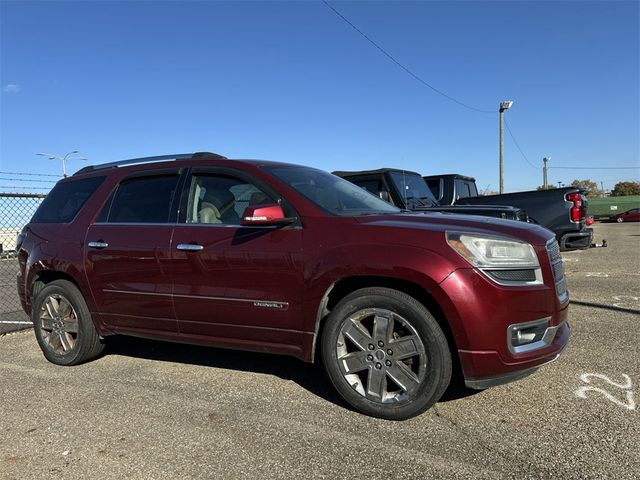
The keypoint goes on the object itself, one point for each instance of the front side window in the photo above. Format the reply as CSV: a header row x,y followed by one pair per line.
x,y
142,200
221,199
465,189
434,186
332,194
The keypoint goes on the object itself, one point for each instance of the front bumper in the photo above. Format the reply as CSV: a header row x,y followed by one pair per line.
x,y
520,369
485,317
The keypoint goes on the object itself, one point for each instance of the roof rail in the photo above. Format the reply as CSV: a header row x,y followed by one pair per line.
x,y
160,158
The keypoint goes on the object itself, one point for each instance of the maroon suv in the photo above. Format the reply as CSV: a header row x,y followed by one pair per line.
x,y
288,259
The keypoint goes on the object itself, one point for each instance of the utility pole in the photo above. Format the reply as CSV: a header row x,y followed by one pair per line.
x,y
506,105
602,187
545,183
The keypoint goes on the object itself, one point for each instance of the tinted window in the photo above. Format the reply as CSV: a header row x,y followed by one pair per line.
x,y
332,194
434,186
371,186
221,199
65,200
465,189
143,200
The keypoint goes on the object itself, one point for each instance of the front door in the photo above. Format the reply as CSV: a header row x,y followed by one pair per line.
x,y
242,284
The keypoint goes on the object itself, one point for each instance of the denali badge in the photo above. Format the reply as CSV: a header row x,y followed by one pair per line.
x,y
278,305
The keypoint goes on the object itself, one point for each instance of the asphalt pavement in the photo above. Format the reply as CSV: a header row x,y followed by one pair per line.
x,y
150,410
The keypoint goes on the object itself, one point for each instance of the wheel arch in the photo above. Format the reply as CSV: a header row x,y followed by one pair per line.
x,y
341,288
44,277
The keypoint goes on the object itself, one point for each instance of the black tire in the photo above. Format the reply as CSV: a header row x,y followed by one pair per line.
x,y
366,377
63,325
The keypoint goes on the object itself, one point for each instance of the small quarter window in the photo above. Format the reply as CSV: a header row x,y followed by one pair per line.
x,y
65,200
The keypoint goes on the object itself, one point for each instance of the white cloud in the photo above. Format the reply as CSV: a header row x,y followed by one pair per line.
x,y
12,88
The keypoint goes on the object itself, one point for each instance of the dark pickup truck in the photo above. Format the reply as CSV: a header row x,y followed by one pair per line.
x,y
407,190
561,210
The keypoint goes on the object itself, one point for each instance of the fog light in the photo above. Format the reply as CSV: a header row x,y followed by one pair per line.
x,y
521,337
525,336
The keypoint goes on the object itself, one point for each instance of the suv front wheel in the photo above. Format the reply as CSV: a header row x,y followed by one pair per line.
x,y
386,354
63,325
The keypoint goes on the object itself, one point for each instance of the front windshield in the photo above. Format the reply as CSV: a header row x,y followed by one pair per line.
x,y
332,194
413,190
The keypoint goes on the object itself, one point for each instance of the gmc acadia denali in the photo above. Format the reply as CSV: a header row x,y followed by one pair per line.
x,y
288,259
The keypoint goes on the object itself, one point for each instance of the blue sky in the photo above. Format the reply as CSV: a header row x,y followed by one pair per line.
x,y
291,81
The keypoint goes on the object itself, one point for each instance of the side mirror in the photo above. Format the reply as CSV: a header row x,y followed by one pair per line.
x,y
264,215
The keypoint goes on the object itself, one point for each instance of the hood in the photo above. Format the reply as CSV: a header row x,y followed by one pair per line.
x,y
453,222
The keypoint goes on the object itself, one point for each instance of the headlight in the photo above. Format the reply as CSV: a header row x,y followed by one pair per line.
x,y
493,252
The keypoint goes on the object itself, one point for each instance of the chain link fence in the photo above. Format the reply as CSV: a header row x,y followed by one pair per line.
x,y
16,209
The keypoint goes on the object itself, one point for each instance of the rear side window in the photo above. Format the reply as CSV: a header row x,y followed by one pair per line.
x,y
142,200
65,200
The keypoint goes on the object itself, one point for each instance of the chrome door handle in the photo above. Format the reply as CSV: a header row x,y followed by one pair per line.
x,y
98,245
190,247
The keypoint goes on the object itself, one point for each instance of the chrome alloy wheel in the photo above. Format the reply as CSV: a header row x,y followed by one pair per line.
x,y
381,355
59,324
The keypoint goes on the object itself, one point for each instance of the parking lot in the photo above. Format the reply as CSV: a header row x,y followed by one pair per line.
x,y
154,410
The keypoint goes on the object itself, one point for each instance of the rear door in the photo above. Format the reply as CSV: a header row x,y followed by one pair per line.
x,y
128,252
231,281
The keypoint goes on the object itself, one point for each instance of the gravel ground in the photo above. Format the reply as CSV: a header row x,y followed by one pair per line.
x,y
153,410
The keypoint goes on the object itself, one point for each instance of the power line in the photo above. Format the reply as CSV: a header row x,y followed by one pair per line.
x,y
598,168
518,146
24,188
407,70
27,180
31,174
564,168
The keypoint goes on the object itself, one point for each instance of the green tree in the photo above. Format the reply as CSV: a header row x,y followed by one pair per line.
x,y
622,189
589,185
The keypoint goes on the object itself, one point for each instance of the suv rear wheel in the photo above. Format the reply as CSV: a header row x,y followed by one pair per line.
x,y
63,325
386,354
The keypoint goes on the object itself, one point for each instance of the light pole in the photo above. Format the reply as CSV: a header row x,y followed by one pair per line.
x,y
63,159
545,183
506,105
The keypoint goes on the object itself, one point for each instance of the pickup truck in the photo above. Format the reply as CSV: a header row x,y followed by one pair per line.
x,y
408,191
561,210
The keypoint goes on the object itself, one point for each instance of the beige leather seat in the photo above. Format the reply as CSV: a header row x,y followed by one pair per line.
x,y
208,213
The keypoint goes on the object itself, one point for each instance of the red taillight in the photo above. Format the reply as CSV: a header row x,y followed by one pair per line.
x,y
576,210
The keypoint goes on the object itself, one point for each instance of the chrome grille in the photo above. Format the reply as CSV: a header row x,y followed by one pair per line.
x,y
553,250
